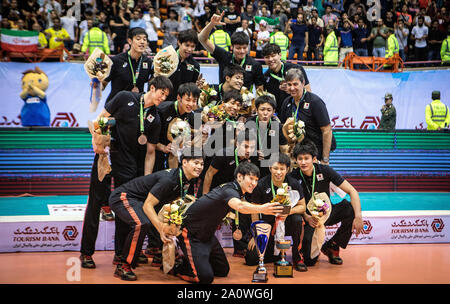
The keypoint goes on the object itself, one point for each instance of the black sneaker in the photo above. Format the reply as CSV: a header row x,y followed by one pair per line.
x,y
332,252
300,266
157,261
124,272
142,259
106,213
87,261
117,260
151,251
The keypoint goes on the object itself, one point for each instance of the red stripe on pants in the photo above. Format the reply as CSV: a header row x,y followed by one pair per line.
x,y
137,228
191,260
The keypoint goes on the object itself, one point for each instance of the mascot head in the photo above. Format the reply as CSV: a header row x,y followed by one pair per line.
x,y
36,78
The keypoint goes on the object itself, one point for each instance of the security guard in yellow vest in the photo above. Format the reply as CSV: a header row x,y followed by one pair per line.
x,y
95,38
437,114
221,39
331,49
445,49
280,39
391,45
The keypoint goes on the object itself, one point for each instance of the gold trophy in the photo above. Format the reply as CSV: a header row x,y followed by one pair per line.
x,y
261,232
283,268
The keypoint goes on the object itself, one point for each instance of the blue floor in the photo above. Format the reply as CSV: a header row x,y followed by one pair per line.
x,y
370,201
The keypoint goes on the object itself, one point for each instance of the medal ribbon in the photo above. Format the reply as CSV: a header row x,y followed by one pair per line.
x,y
182,192
257,130
313,183
282,74
296,111
135,76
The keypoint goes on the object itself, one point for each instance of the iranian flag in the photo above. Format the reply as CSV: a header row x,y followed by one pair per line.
x,y
19,41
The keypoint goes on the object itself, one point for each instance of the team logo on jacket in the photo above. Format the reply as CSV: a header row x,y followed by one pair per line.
x,y
150,118
306,105
145,65
248,68
320,177
130,103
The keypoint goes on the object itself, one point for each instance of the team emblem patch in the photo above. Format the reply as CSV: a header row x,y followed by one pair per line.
x,y
145,65
306,105
150,118
248,68
320,177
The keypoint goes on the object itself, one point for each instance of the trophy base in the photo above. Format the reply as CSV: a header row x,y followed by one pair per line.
x,y
283,270
260,277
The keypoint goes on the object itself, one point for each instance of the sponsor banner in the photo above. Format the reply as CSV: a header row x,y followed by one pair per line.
x,y
61,236
353,99
400,230
66,210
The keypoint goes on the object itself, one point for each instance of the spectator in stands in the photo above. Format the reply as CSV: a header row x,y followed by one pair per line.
x,y
419,34
282,18
315,39
28,7
437,114
170,29
42,40
379,36
222,6
403,15
337,7
200,23
331,48
389,20
47,8
136,20
361,34
70,24
426,19
280,39
413,7
186,15
232,19
309,7
56,35
319,22
247,31
328,15
346,45
435,39
95,38
445,49
83,26
402,33
299,41
249,15
443,19
262,38
199,9
174,5
352,9
152,26
102,21
388,114
119,26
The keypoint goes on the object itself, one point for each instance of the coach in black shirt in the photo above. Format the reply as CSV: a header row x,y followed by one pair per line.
x,y
308,107
204,257
274,77
239,43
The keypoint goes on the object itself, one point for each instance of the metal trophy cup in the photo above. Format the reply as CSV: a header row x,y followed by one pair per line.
x,y
283,268
261,232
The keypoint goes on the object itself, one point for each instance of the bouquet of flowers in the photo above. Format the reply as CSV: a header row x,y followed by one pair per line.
x,y
97,66
172,215
320,207
165,62
248,104
179,134
208,96
101,140
294,131
214,113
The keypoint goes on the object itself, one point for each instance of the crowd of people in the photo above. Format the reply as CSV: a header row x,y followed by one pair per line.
x,y
299,27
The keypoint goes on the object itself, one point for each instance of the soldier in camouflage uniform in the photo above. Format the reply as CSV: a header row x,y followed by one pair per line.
x,y
388,114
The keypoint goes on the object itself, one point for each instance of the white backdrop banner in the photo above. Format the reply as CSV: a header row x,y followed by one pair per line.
x,y
353,99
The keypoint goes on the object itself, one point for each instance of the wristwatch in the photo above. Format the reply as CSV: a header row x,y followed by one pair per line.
x,y
326,159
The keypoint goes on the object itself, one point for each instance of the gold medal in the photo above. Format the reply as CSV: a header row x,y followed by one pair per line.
x,y
237,234
135,89
142,140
